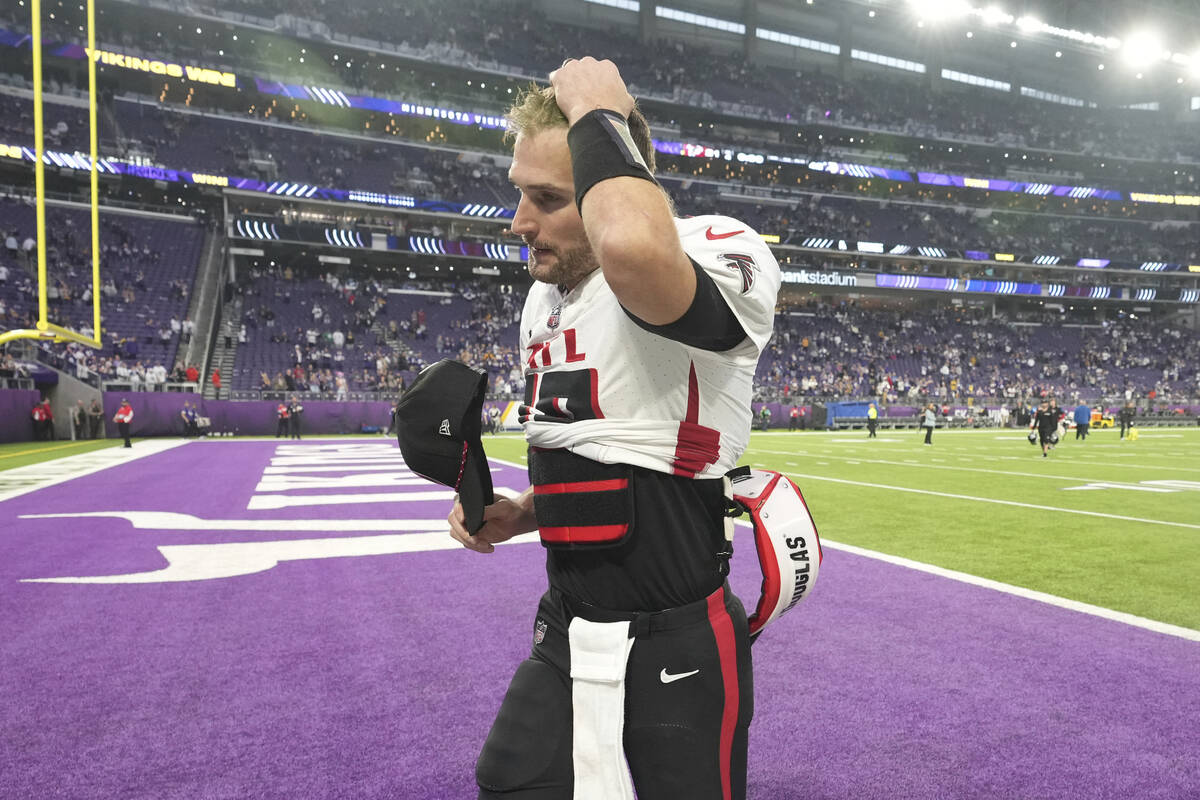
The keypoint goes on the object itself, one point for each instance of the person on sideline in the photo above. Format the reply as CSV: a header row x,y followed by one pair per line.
x,y
1083,421
928,421
1046,423
123,418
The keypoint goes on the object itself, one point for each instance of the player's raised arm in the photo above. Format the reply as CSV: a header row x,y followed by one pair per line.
x,y
626,214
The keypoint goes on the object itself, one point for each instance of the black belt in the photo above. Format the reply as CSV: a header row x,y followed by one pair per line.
x,y
644,622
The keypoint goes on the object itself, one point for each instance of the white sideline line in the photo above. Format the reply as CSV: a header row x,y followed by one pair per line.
x,y
995,500
915,463
1019,591
986,583
44,474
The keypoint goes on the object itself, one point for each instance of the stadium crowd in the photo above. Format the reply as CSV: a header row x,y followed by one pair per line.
x,y
847,350
523,38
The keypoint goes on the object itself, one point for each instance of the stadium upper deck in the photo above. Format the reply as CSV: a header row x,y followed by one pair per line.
x,y
500,42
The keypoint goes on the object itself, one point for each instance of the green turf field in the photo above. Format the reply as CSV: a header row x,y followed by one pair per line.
x,y
1107,522
20,454
1112,523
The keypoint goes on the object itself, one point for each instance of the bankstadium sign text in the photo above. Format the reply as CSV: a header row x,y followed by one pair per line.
x,y
822,278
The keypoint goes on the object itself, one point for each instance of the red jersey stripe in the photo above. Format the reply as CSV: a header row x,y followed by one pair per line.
x,y
581,486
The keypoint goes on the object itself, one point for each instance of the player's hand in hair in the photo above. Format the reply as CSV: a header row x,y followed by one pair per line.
x,y
584,85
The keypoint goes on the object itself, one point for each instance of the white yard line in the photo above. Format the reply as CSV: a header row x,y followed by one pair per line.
x,y
23,480
1020,591
995,500
912,462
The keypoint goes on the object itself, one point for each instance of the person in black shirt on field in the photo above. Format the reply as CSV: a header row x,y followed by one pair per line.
x,y
1046,422
1125,418
294,410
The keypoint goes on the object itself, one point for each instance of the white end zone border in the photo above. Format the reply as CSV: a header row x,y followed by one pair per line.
x,y
23,480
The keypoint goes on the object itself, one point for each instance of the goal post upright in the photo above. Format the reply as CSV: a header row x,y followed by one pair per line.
x,y
45,329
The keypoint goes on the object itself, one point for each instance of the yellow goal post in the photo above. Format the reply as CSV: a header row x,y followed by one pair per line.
x,y
47,330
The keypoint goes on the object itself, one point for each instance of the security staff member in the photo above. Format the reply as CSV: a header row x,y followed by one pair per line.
x,y
123,417
281,415
872,421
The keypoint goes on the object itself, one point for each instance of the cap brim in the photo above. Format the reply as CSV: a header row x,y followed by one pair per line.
x,y
475,487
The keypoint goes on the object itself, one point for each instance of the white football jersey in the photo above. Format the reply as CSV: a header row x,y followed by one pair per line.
x,y
607,389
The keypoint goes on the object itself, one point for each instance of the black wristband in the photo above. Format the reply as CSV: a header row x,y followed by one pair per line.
x,y
601,148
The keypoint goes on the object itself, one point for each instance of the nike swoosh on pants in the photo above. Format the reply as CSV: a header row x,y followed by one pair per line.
x,y
666,677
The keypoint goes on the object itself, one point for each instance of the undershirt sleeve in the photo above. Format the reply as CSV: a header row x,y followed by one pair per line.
x,y
708,324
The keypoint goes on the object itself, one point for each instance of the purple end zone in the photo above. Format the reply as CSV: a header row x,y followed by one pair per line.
x,y
335,674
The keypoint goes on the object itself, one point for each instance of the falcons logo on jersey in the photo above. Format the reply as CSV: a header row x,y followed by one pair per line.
x,y
743,264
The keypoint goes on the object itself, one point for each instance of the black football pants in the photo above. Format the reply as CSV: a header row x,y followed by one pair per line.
x,y
689,698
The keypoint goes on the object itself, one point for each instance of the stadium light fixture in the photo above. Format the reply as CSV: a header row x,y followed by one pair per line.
x,y
994,15
1142,49
939,10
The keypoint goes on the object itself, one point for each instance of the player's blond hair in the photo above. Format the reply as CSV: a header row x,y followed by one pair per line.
x,y
536,110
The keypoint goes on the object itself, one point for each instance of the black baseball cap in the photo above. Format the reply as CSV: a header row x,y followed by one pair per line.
x,y
439,426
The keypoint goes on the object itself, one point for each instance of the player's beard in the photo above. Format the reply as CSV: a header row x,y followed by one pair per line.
x,y
569,268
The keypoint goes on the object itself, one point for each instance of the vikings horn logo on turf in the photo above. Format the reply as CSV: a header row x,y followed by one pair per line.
x,y
743,264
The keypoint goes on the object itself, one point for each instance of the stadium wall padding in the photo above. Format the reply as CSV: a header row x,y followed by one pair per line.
x,y
16,407
158,414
